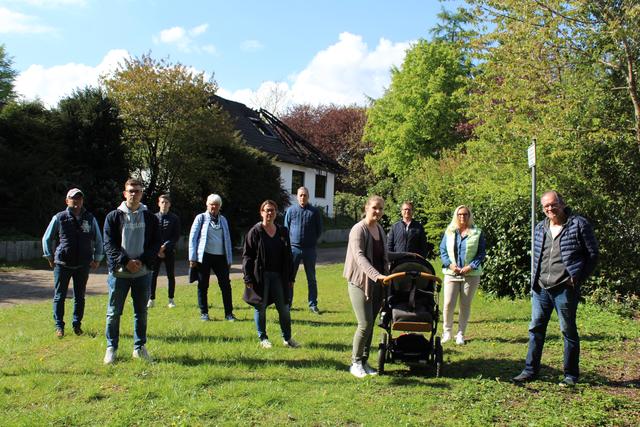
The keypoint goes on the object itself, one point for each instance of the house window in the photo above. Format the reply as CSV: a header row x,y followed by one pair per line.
x,y
297,181
321,186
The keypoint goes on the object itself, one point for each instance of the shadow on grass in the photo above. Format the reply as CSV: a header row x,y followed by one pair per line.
x,y
322,323
254,363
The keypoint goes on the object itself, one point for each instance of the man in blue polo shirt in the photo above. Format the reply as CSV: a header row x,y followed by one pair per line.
x,y
79,248
304,222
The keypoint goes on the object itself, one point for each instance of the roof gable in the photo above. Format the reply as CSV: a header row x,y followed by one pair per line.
x,y
265,132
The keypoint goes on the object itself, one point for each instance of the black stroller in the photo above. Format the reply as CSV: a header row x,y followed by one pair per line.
x,y
410,306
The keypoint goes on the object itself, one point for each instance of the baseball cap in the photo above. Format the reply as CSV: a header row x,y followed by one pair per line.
x,y
73,192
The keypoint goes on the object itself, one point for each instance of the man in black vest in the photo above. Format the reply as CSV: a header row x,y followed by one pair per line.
x,y
79,248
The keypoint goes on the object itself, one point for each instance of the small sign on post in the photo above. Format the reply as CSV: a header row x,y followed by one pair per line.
x,y
531,154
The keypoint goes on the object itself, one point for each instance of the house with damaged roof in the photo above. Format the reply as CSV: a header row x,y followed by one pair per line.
x,y
300,163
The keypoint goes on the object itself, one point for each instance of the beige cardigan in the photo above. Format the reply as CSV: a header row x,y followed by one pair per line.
x,y
357,265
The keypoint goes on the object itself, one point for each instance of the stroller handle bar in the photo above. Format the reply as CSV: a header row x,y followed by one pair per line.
x,y
428,276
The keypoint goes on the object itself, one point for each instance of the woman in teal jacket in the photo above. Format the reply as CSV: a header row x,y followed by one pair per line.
x,y
462,251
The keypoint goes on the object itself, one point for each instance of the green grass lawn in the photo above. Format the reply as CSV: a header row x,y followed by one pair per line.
x,y
215,373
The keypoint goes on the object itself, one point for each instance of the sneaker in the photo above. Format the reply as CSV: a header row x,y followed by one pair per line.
x,y
368,369
446,336
59,332
314,309
141,353
204,317
151,303
110,356
171,303
230,318
567,382
459,339
523,377
357,370
78,330
291,343
265,343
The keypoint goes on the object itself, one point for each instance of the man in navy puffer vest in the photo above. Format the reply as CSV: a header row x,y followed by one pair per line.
x,y
79,248
565,254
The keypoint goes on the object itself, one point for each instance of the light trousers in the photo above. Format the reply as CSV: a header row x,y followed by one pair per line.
x,y
465,289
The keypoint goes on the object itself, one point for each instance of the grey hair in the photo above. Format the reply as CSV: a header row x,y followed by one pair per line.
x,y
214,199
556,194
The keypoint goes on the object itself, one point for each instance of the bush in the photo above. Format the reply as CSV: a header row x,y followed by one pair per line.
x,y
507,232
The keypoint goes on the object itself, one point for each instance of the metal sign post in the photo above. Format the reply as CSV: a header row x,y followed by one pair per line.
x,y
531,154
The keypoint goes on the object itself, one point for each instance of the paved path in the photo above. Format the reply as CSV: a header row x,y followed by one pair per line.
x,y
28,286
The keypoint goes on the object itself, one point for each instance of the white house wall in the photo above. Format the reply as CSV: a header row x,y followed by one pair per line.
x,y
325,203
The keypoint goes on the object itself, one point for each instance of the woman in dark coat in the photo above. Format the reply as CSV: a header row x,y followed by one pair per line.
x,y
268,270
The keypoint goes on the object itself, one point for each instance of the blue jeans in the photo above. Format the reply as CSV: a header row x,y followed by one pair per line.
x,y
564,299
61,277
308,257
118,290
272,287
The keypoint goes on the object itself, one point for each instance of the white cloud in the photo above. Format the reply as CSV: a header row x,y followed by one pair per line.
x,y
184,39
16,22
200,29
54,83
251,45
173,35
344,73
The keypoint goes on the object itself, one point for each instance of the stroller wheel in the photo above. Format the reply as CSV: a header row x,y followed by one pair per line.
x,y
438,357
382,351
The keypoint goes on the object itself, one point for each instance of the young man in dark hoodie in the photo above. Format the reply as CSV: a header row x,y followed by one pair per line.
x,y
131,242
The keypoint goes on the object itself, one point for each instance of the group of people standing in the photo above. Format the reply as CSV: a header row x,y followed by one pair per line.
x,y
135,242
369,253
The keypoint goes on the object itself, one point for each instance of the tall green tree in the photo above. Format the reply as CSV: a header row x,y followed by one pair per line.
x,y
91,142
418,115
7,76
168,120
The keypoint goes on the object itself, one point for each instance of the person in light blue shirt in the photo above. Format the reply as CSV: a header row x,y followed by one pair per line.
x,y
210,249
79,247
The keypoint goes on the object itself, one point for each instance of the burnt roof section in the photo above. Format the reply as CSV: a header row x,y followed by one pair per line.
x,y
264,131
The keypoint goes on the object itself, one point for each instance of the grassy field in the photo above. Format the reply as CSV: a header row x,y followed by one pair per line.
x,y
214,373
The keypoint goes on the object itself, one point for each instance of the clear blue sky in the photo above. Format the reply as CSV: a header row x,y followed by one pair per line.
x,y
57,43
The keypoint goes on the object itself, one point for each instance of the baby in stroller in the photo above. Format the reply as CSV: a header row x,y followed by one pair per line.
x,y
411,306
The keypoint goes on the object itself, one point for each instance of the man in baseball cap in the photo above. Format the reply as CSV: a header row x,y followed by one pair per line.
x,y
79,247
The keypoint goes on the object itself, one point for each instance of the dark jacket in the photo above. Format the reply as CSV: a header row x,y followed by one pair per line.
x,y
169,230
578,247
413,239
254,256
117,257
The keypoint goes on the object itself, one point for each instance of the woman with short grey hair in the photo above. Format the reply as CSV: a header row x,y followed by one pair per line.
x,y
210,249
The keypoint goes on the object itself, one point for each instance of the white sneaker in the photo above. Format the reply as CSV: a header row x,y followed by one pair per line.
x,y
141,353
171,303
265,343
291,343
368,369
150,303
459,339
446,336
110,356
357,370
